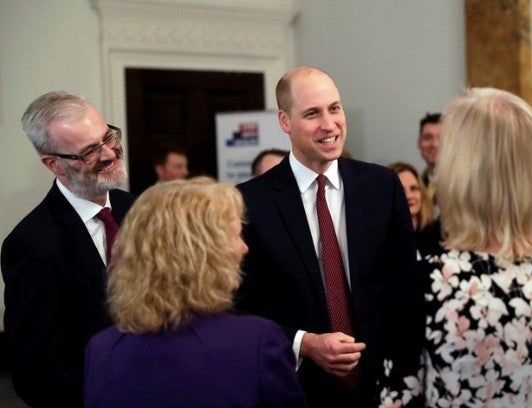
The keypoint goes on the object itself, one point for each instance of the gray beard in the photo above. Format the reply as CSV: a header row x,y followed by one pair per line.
x,y
91,184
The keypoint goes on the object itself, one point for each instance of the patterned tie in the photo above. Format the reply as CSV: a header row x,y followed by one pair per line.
x,y
334,274
111,229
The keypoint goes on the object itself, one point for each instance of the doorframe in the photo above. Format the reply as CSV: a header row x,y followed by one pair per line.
x,y
239,36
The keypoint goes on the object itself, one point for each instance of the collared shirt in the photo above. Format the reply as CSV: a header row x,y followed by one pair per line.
x,y
87,211
334,195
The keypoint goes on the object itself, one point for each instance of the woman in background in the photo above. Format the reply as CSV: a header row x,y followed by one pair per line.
x,y
421,209
174,269
479,292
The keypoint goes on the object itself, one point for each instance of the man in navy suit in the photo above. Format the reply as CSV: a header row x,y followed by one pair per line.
x,y
283,271
53,262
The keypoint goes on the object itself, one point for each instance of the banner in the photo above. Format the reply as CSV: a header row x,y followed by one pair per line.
x,y
240,137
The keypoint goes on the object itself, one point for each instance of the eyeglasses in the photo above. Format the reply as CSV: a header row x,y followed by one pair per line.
x,y
112,139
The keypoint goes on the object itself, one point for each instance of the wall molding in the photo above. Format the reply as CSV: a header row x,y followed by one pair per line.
x,y
228,35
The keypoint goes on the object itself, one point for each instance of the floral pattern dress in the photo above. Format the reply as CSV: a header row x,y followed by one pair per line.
x,y
478,339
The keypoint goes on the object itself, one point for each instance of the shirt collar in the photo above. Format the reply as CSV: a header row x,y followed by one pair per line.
x,y
86,209
305,176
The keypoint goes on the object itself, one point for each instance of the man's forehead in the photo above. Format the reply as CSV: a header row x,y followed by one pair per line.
x,y
315,92
431,128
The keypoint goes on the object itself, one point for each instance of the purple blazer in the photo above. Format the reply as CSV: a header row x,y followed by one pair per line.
x,y
213,361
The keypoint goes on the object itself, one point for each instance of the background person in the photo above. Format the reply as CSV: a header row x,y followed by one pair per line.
x,y
429,145
53,262
286,276
170,163
478,292
175,268
421,208
265,160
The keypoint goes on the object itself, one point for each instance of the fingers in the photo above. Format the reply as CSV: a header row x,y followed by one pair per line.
x,y
341,343
337,353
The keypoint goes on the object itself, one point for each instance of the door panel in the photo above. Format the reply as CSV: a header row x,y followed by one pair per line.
x,y
179,107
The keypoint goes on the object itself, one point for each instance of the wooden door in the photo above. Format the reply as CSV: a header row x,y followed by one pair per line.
x,y
179,107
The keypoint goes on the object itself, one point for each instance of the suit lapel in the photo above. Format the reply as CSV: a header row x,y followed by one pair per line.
x,y
76,238
287,197
353,213
120,204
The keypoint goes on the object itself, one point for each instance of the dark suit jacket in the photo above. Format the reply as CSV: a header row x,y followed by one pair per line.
x,y
212,361
55,299
282,278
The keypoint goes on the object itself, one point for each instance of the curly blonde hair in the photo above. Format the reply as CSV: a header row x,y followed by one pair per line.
x,y
484,173
173,256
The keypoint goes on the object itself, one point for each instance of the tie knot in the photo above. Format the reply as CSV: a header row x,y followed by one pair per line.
x,y
105,215
322,181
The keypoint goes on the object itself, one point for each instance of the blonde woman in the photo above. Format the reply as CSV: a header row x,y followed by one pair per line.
x,y
478,347
174,269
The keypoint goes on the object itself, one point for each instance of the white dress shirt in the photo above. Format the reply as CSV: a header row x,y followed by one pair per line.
x,y
87,211
334,194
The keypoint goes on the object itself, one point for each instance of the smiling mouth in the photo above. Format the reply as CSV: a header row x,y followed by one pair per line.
x,y
106,166
328,140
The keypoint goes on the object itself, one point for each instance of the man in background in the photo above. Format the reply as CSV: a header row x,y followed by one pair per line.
x,y
170,163
265,160
429,146
54,260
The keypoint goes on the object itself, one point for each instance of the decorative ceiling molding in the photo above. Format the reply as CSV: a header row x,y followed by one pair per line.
x,y
251,27
213,35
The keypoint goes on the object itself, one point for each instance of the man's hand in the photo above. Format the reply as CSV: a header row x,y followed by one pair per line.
x,y
337,353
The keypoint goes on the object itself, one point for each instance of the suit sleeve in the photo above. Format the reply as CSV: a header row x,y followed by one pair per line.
x,y
44,371
279,386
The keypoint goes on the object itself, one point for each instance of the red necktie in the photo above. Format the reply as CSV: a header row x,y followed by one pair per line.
x,y
334,274
111,229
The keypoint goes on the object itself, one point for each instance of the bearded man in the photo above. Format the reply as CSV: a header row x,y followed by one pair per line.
x,y
54,261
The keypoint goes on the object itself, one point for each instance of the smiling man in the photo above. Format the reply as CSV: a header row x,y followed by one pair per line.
x,y
341,285
54,261
428,144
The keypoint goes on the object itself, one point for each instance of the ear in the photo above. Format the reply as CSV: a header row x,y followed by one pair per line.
x,y
284,121
159,170
53,164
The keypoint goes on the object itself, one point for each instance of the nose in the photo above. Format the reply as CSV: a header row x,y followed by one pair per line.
x,y
327,122
108,153
245,248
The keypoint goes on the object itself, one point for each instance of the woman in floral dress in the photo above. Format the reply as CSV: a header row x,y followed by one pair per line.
x,y
478,340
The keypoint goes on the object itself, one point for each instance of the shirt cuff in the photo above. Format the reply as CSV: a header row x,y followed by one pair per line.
x,y
296,347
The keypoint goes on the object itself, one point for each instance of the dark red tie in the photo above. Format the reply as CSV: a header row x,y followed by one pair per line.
x,y
334,274
111,229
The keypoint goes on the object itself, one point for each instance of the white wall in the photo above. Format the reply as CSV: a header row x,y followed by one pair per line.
x,y
43,46
392,61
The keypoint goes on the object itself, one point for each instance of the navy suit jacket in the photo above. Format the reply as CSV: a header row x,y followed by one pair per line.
x,y
55,299
213,361
282,279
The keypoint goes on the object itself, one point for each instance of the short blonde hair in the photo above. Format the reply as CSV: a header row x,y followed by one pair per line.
x,y
426,211
484,173
283,90
172,257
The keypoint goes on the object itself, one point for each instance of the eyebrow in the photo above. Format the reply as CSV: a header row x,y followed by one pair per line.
x,y
92,146
316,108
